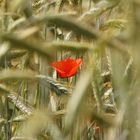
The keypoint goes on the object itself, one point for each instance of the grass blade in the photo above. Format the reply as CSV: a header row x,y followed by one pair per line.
x,y
15,41
77,100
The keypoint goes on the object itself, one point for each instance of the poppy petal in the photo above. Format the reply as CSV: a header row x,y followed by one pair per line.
x,y
79,61
60,72
75,68
67,68
73,71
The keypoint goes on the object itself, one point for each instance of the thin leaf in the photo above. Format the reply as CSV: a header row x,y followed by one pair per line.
x,y
72,46
77,100
51,83
17,42
62,20
18,74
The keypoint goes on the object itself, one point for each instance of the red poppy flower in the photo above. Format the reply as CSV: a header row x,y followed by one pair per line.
x,y
67,68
